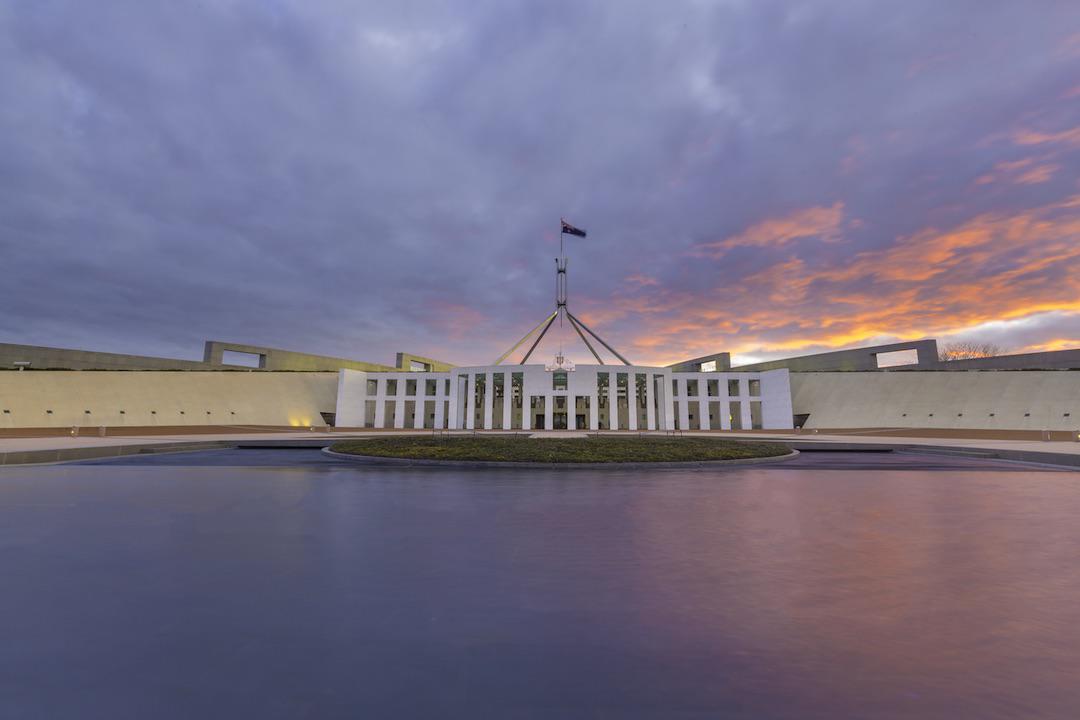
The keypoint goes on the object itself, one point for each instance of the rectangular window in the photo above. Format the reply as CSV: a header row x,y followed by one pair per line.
x,y
372,387
674,387
558,380
678,420
641,385
410,387
735,414
691,388
713,387
538,407
429,414
755,388
517,382
498,401
622,395
581,412
733,388
446,390
755,414
479,398
410,414
431,388
389,408
603,418
391,387
369,413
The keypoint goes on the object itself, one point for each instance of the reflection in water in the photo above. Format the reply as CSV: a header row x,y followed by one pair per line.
x,y
343,592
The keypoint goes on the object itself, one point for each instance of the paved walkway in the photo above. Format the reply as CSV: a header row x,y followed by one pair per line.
x,y
15,451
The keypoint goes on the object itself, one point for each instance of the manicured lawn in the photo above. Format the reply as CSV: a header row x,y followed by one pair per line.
x,y
603,449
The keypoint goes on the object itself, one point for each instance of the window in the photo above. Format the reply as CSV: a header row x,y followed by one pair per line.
x,y
733,388
755,388
391,387
558,381
691,388
713,387
372,387
602,381
674,387
446,388
431,387
410,387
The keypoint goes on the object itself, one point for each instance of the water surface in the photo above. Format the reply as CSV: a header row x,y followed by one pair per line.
x,y
839,586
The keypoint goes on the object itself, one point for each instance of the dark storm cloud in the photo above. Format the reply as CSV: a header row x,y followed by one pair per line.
x,y
355,178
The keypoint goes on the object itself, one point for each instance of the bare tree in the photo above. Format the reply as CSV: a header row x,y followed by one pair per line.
x,y
969,350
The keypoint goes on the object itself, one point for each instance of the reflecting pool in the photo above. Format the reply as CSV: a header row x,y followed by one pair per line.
x,y
281,585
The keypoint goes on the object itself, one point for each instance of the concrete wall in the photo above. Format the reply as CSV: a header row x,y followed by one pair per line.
x,y
157,398
46,357
1052,360
856,359
722,360
1003,400
275,359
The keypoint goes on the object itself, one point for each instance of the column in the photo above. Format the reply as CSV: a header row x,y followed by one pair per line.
x,y
631,400
703,406
549,410
489,399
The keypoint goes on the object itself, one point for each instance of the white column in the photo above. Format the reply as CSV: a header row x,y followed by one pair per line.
x,y
650,402
420,404
399,412
489,400
549,410
631,400
380,411
508,386
439,398
745,404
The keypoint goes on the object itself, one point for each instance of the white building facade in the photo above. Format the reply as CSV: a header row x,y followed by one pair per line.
x,y
589,397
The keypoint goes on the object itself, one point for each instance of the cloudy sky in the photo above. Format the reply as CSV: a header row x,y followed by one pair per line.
x,y
356,178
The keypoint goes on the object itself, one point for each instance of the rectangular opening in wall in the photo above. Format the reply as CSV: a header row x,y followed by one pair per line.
x,y
693,416
581,412
755,388
446,413
558,413
538,404
410,388
602,385
479,400
369,414
558,380
431,388
713,387
715,418
897,358
678,422
517,381
391,387
622,395
241,359
641,385
417,366
755,414
733,388
708,366
372,387
498,400
389,406
410,413
735,414
429,414
691,388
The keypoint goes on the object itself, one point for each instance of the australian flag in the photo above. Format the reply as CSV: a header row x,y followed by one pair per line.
x,y
571,230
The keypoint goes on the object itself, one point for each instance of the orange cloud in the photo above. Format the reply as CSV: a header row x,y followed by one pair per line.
x,y
1069,137
820,222
933,282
